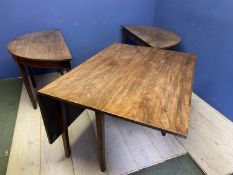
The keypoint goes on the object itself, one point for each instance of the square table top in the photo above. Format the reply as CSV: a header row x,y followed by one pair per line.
x,y
144,85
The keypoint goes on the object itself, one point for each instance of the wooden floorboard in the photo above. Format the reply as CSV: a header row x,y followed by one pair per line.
x,y
53,160
139,145
167,146
25,150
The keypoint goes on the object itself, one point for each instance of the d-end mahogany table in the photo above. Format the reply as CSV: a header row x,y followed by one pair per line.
x,y
144,85
45,49
150,36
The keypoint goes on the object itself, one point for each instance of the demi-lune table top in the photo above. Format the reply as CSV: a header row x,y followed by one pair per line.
x,y
41,46
144,85
154,36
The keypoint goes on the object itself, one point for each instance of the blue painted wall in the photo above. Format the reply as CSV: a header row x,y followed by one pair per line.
x,y
206,28
88,25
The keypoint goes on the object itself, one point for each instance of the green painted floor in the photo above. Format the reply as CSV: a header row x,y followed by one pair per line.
x,y
182,165
10,91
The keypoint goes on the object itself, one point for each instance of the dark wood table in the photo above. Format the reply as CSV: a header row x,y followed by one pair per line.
x,y
144,85
150,36
45,49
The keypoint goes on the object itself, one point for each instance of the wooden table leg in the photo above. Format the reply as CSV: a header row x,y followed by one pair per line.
x,y
163,133
101,139
123,39
31,76
68,68
27,85
65,136
61,71
65,65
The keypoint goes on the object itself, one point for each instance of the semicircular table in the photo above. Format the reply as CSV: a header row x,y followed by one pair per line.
x,y
150,36
46,49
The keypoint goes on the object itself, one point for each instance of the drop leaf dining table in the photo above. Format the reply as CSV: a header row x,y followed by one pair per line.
x,y
144,85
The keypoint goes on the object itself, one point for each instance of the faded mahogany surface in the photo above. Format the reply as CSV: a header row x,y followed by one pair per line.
x,y
41,46
145,85
152,36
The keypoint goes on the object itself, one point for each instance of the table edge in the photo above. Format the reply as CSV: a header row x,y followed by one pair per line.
x,y
113,115
167,47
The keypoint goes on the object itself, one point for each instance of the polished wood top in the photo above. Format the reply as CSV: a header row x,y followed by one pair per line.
x,y
154,36
145,85
41,46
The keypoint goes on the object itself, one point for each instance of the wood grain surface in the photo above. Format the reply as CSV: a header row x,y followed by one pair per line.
x,y
145,85
40,46
154,36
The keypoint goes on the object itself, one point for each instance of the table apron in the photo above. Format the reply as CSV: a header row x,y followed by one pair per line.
x,y
42,64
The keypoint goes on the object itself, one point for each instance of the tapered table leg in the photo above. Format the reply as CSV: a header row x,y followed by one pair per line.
x,y
163,133
31,76
65,136
66,143
101,139
123,39
27,85
61,71
68,67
